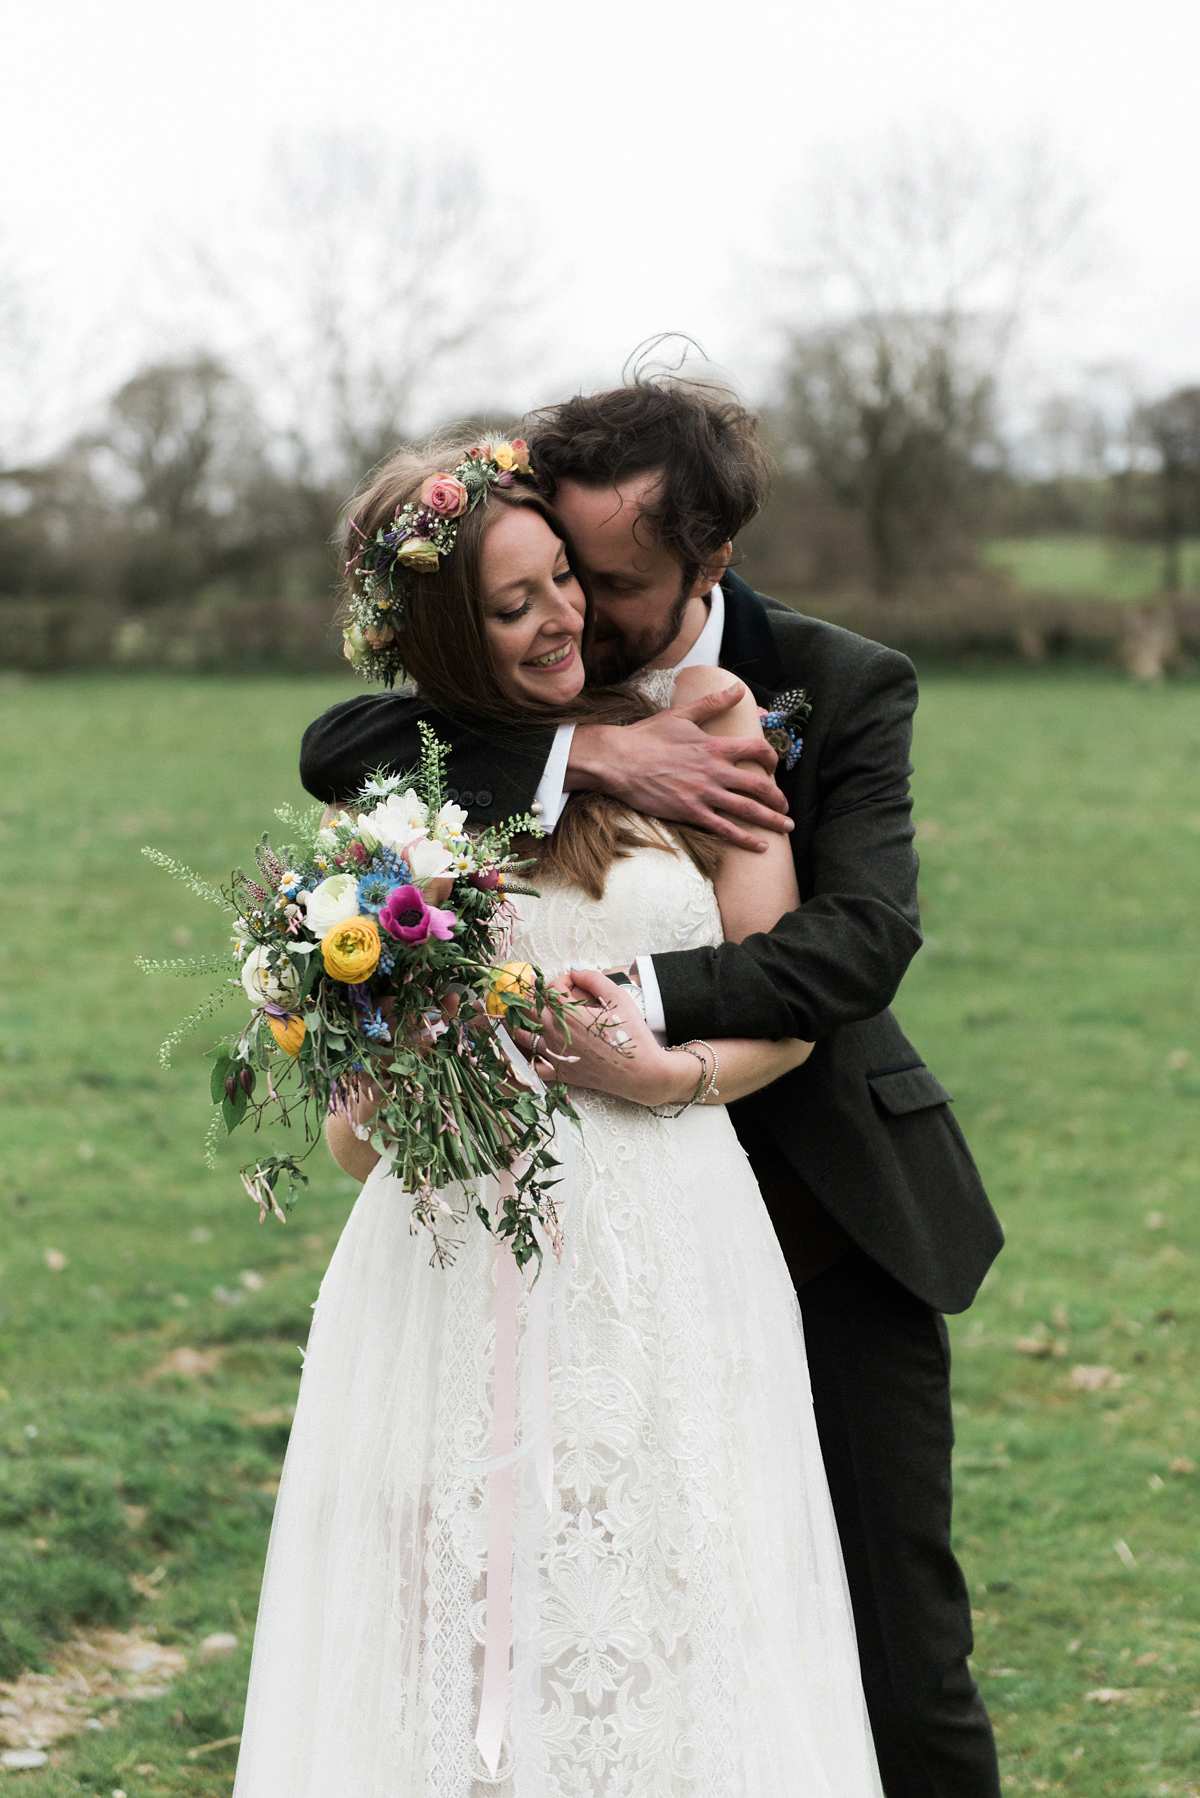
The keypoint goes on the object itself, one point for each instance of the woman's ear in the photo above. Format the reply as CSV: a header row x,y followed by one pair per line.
x,y
712,571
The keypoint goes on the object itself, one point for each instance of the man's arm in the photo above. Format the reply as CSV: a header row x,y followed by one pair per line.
x,y
494,776
841,956
665,766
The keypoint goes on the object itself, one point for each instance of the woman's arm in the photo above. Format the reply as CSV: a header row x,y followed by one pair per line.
x,y
753,890
839,957
353,1156
611,1049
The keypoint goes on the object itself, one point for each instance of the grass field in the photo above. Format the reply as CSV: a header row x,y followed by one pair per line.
x,y
149,1328
1091,567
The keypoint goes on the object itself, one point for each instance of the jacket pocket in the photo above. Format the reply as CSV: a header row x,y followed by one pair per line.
x,y
901,1090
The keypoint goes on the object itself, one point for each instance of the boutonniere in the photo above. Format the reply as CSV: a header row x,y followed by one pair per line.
x,y
783,723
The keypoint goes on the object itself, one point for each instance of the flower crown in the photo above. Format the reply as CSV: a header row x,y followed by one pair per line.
x,y
421,533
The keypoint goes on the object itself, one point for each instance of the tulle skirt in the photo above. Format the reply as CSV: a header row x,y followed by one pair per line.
x,y
680,1621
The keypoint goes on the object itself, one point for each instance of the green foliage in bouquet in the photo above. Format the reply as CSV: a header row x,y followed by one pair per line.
x,y
371,1000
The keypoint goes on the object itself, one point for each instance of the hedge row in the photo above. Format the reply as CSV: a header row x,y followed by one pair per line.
x,y
297,635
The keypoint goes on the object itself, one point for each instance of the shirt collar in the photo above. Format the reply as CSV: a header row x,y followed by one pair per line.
x,y
706,650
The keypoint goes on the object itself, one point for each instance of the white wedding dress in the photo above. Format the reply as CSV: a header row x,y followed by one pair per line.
x,y
681,1627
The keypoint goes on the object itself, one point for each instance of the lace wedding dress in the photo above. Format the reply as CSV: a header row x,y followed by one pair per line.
x,y
680,1623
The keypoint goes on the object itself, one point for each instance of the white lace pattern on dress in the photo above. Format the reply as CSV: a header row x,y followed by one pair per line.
x,y
681,1625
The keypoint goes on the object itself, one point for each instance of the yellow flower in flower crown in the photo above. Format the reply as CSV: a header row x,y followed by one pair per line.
x,y
503,456
351,950
354,645
288,1032
418,553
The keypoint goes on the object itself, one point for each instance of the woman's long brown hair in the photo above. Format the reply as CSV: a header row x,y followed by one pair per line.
x,y
447,659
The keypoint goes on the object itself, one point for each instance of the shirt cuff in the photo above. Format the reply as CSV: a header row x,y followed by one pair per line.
x,y
655,1015
550,798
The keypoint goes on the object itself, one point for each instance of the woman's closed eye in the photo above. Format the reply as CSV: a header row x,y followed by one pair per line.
x,y
513,613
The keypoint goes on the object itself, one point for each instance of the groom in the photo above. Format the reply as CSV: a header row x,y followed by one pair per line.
x,y
872,1191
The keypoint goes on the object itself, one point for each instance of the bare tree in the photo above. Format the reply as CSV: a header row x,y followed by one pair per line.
x,y
922,261
892,415
1170,427
183,439
366,270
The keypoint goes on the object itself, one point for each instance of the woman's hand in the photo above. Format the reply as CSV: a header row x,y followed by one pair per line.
x,y
607,1046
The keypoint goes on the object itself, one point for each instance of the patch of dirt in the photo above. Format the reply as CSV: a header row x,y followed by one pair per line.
x,y
192,1363
89,1674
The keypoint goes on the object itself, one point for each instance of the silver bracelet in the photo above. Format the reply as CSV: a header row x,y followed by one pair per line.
x,y
674,1108
710,1091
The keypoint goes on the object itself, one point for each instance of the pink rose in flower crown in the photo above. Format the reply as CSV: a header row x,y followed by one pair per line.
x,y
520,450
444,495
406,917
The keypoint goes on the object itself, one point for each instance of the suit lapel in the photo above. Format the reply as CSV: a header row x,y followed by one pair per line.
x,y
748,644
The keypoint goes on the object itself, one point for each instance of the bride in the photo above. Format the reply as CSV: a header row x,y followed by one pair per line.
x,y
646,1600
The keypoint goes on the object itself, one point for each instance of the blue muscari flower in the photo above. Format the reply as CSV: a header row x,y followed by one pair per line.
x,y
386,962
392,864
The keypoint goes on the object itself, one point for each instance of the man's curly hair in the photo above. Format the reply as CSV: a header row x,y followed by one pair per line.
x,y
707,446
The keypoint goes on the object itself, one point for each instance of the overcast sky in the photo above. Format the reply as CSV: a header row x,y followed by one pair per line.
x,y
647,145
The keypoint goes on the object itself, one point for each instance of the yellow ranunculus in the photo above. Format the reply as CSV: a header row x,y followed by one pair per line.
x,y
503,457
288,1032
351,950
514,977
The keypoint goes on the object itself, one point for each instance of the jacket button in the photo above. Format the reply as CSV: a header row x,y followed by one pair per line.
x,y
483,797
452,793
465,798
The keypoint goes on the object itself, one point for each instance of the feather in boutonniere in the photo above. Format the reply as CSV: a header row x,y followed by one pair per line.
x,y
783,723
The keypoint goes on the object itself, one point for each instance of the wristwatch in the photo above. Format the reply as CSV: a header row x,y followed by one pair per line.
x,y
621,978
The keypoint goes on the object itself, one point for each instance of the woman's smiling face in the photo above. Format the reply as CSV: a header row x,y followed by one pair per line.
x,y
533,608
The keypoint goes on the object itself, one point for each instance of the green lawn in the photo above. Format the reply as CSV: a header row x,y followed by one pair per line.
x,y
1089,567
145,1384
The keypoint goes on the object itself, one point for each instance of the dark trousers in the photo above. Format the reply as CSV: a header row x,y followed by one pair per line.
x,y
879,1361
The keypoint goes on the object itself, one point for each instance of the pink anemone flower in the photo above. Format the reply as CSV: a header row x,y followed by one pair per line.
x,y
407,917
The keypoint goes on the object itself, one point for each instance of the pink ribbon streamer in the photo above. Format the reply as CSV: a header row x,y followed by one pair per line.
x,y
502,1468
497,1640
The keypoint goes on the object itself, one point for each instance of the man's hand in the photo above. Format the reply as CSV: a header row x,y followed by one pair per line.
x,y
668,767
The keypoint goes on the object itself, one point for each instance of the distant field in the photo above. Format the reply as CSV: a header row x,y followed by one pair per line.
x,y
1093,567
149,1328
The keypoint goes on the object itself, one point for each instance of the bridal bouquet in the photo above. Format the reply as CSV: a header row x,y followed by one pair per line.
x,y
363,989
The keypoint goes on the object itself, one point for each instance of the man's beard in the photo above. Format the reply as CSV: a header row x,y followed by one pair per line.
x,y
617,658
